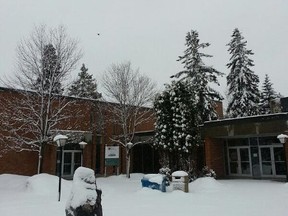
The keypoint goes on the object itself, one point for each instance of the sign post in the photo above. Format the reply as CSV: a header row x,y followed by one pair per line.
x,y
112,157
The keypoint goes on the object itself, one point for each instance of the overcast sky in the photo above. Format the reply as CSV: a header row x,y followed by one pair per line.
x,y
151,33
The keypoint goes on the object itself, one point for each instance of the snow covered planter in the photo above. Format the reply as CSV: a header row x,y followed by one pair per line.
x,y
180,181
85,198
154,181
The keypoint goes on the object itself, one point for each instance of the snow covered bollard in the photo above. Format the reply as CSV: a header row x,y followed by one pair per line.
x,y
180,181
85,198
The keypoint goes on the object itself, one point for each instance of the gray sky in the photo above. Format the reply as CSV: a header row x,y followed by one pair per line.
x,y
151,33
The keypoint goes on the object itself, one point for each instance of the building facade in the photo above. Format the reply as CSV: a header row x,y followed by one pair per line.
x,y
247,147
92,125
241,147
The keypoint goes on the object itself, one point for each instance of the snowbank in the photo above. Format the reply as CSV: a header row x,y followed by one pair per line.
x,y
12,182
205,184
122,196
45,184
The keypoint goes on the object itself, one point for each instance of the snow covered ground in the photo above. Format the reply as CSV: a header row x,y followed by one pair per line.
x,y
38,196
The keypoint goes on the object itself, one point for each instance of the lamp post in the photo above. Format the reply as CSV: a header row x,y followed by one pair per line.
x,y
82,146
282,138
60,141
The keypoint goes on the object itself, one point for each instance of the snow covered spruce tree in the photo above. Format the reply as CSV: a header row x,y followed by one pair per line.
x,y
132,93
176,127
267,97
242,82
199,76
44,60
84,86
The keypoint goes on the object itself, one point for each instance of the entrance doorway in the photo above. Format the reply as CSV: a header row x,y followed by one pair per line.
x,y
257,157
71,161
272,161
239,161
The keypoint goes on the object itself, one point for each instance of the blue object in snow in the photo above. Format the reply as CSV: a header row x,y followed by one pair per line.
x,y
154,181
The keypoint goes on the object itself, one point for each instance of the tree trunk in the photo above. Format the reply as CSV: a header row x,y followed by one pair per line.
x,y
127,163
39,160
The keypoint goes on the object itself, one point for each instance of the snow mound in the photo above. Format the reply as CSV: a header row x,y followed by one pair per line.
x,y
45,184
205,184
12,182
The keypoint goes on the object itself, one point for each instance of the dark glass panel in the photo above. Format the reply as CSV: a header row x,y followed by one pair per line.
x,y
245,166
233,168
280,168
279,154
268,140
233,155
67,169
266,168
244,154
265,154
77,157
238,142
254,141
67,157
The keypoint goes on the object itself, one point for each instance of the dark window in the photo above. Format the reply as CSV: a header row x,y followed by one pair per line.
x,y
238,142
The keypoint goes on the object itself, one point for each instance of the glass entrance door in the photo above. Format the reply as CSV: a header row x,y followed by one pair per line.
x,y
272,161
71,161
239,161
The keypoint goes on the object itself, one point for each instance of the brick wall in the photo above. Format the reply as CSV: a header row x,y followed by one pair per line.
x,y
214,156
87,118
21,163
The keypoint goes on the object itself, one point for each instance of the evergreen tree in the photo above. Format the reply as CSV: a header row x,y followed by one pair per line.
x,y
163,129
242,82
50,72
199,76
85,86
268,95
177,125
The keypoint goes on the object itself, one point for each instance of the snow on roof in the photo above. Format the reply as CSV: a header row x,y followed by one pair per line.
x,y
264,116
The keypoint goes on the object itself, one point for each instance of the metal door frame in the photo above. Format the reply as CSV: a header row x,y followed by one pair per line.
x,y
72,161
271,147
239,168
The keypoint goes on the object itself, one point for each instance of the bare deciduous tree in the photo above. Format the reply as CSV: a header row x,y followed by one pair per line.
x,y
44,60
131,93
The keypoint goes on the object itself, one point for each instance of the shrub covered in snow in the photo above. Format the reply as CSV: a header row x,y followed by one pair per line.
x,y
207,172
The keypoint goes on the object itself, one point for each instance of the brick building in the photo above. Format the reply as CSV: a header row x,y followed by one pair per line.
x,y
241,147
85,126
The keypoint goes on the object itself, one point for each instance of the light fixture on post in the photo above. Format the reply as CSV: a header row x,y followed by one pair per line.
x,y
283,138
60,141
129,145
82,146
